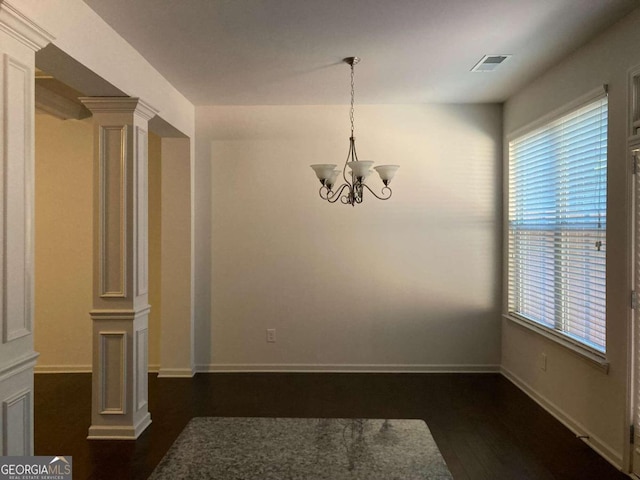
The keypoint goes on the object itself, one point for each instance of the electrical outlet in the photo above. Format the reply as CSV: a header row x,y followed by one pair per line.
x,y
271,335
543,362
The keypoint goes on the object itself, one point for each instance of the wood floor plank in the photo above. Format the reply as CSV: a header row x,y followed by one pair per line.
x,y
485,427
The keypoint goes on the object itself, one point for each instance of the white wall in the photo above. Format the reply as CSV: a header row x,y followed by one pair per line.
x,y
63,244
587,399
408,284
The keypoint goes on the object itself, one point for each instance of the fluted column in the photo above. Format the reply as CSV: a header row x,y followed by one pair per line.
x,y
120,271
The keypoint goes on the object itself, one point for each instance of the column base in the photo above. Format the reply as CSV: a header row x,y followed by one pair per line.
x,y
119,432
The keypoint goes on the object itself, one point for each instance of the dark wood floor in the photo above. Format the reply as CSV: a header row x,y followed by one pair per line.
x,y
485,427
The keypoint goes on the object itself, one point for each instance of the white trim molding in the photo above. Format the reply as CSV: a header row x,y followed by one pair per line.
x,y
606,451
118,432
21,28
594,358
112,171
176,372
141,227
19,405
141,349
633,100
17,149
16,399
119,105
113,372
19,365
125,314
346,368
47,369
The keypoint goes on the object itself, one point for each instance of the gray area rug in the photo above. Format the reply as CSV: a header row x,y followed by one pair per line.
x,y
218,448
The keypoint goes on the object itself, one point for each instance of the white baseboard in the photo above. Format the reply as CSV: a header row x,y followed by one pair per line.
x,y
176,373
338,368
76,369
606,451
288,367
62,369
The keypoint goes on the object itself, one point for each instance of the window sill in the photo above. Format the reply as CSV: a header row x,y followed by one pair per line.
x,y
594,359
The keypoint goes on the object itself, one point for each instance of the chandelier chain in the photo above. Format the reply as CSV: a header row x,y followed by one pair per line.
x,y
352,191
351,117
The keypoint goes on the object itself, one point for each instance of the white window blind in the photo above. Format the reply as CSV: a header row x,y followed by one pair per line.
x,y
557,225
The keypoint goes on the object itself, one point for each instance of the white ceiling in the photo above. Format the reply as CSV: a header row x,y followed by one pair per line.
x,y
255,52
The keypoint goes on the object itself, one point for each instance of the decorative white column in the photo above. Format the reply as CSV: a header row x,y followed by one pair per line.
x,y
19,40
120,272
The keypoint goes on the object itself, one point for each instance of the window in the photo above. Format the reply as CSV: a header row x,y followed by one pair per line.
x,y
557,226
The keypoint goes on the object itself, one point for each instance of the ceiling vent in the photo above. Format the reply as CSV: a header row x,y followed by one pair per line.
x,y
489,63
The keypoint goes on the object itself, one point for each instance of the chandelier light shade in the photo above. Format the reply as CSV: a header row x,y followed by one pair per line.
x,y
352,190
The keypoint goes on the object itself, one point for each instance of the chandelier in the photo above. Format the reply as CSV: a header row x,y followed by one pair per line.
x,y
354,181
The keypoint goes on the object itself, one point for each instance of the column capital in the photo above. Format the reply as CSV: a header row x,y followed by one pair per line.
x,y
119,105
23,29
